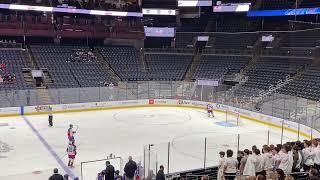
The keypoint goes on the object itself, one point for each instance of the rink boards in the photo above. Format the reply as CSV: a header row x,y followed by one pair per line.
x,y
294,127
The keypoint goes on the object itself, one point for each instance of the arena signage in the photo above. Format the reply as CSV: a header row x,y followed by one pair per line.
x,y
163,12
68,10
284,12
159,31
194,3
232,7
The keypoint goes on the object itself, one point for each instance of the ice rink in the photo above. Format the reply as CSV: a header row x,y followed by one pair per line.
x,y
30,149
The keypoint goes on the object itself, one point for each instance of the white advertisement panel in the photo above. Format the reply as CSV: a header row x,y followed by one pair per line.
x,y
159,31
160,12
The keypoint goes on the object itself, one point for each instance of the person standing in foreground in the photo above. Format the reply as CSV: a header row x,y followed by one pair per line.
x,y
230,166
108,172
56,175
221,165
160,174
130,169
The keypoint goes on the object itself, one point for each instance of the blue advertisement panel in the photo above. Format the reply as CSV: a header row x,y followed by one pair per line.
x,y
284,12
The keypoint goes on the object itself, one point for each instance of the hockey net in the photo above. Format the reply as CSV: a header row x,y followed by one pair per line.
x,y
90,169
233,118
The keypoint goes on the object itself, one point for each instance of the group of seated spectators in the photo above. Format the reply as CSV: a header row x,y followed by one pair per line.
x,y
9,44
82,55
8,78
291,160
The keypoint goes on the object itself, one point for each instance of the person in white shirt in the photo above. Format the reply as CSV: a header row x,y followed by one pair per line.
x,y
316,154
307,156
285,160
275,154
230,166
221,165
244,160
249,168
267,161
258,164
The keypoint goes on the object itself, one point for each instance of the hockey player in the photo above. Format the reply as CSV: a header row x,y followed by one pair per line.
x,y
71,133
72,152
210,110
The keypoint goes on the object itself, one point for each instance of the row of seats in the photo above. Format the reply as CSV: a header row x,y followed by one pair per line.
x,y
269,71
158,65
216,66
14,63
69,74
307,85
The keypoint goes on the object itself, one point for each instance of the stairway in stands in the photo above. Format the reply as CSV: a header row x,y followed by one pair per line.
x,y
193,66
44,95
108,67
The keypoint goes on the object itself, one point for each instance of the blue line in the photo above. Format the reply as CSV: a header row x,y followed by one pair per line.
x,y
50,149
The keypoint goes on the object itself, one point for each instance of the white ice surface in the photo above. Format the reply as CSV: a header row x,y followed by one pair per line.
x,y
125,132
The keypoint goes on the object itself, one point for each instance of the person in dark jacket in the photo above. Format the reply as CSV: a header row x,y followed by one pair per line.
x,y
160,174
130,169
108,172
56,175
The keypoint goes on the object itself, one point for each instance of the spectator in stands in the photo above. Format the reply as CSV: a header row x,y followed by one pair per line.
x,y
307,153
66,177
108,172
260,177
205,178
244,160
160,174
281,174
275,153
297,158
230,166
285,160
316,154
267,161
117,175
130,169
313,173
221,165
249,168
288,177
56,175
239,157
258,165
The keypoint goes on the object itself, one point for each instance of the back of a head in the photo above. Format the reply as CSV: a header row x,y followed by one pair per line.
x,y
229,153
161,167
107,163
130,158
260,177
204,178
289,177
313,172
257,151
55,170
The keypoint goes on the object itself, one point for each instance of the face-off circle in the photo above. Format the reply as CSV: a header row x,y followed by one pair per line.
x,y
152,117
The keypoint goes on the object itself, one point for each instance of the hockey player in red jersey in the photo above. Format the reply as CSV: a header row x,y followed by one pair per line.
x,y
71,133
210,110
72,152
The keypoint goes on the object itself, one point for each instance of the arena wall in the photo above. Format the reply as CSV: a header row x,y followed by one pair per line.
x,y
294,127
